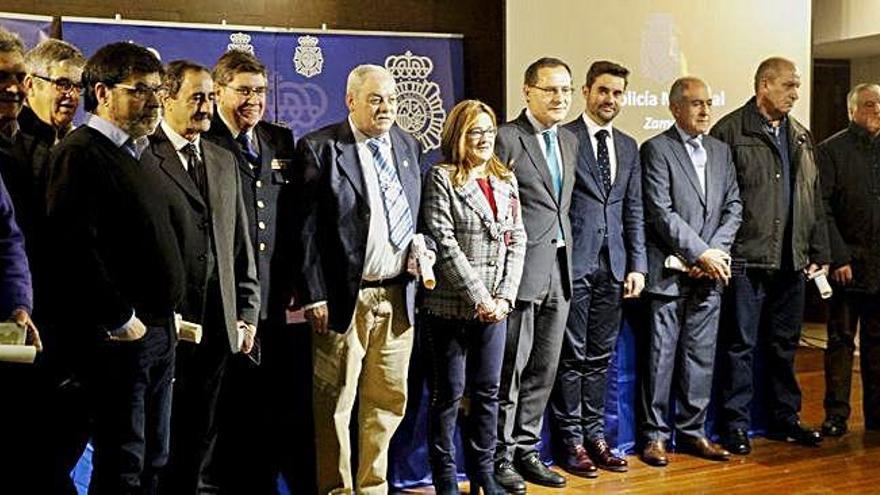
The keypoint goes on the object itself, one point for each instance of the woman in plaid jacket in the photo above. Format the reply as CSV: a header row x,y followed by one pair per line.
x,y
470,207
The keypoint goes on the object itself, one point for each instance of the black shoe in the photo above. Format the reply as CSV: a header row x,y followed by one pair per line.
x,y
446,486
534,471
737,442
485,484
508,478
796,433
834,426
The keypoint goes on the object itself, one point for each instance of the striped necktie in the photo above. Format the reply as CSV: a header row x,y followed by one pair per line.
x,y
397,212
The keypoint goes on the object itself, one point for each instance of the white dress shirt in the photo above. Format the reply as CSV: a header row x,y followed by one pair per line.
x,y
592,129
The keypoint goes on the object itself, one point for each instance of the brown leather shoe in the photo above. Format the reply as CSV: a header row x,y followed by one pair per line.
x,y
578,463
654,453
702,447
601,454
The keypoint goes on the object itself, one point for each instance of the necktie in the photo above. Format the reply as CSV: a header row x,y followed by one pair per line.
x,y
603,159
397,212
130,148
195,168
248,149
698,158
553,161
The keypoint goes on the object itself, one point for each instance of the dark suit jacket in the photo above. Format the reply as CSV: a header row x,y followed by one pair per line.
x,y
616,216
269,208
111,239
542,213
335,215
15,278
220,226
680,219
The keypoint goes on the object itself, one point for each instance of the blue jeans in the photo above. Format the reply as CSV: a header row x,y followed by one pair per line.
x,y
463,355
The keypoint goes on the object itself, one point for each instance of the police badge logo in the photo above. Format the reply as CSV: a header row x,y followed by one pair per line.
x,y
419,105
307,58
240,42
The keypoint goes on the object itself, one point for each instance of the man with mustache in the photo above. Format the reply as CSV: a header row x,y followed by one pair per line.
x,y
782,241
119,275
692,212
608,265
543,156
268,390
847,161
209,217
358,184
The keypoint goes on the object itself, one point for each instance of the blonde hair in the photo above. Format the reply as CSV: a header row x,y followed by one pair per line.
x,y
453,143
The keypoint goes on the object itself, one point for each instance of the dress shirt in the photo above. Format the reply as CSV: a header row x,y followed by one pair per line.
x,y
179,142
592,129
699,169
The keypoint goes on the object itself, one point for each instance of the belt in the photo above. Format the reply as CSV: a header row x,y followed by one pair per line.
x,y
403,278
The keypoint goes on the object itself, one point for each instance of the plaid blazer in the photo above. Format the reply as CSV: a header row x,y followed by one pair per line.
x,y
479,257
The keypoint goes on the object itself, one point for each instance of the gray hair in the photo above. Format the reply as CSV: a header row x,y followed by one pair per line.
x,y
10,42
40,58
359,74
676,92
852,99
770,68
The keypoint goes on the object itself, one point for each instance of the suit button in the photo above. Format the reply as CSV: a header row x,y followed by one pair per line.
x,y
778,176
777,221
259,184
262,225
260,203
553,242
262,246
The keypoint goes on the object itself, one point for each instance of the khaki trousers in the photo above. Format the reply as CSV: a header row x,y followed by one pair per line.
x,y
369,361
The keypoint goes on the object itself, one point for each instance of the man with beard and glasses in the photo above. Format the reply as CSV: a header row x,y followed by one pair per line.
x,y
222,292
263,384
118,269
608,266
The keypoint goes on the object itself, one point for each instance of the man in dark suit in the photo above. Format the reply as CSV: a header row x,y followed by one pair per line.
x,y
608,255
358,187
543,157
118,267
222,294
281,436
847,162
692,212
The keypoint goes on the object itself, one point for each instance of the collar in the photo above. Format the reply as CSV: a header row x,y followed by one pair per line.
x,y
593,127
539,127
361,138
862,134
685,137
233,129
115,134
10,131
178,141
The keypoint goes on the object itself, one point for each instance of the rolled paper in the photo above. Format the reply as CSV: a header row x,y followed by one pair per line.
x,y
426,266
18,353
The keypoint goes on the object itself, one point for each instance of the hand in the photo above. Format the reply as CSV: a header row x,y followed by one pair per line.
x,y
813,270
23,319
842,275
716,263
318,317
697,272
135,331
412,262
633,285
250,333
486,311
502,309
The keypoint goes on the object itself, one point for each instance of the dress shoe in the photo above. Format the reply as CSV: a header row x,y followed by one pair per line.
x,y
654,453
702,447
446,486
534,471
737,442
508,478
577,462
797,433
601,454
834,426
485,484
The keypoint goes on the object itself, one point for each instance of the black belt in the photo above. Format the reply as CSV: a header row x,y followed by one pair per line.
x,y
403,278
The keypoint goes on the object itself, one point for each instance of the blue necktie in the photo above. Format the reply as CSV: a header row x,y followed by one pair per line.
x,y
397,212
553,161
603,159
247,149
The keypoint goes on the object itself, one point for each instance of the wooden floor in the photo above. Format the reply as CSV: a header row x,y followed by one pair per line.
x,y
849,465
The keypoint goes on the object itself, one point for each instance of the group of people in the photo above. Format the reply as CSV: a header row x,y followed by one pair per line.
x,y
154,251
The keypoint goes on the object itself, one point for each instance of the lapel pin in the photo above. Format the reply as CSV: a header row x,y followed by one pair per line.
x,y
405,163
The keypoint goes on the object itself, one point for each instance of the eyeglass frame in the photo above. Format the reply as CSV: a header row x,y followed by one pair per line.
x,y
60,82
140,91
247,91
479,134
549,92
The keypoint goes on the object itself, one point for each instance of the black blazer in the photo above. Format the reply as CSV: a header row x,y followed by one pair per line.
x,y
113,248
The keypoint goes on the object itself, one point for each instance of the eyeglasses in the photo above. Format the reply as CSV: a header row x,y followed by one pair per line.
x,y
16,77
376,100
246,91
62,84
558,90
142,91
477,134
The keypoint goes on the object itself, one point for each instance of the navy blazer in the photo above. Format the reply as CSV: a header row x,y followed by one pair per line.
x,y
334,212
681,220
616,216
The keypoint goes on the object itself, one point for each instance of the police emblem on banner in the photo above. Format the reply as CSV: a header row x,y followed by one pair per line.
x,y
307,58
419,105
240,42
661,57
301,105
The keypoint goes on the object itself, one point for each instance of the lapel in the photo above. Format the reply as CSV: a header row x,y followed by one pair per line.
x,y
213,174
472,196
406,162
587,157
169,163
684,162
501,192
348,161
529,141
267,150
622,160
219,129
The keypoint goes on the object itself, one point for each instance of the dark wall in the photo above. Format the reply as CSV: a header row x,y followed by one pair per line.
x,y
481,22
831,83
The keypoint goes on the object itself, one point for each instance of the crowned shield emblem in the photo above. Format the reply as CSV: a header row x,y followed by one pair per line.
x,y
419,104
307,58
240,42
